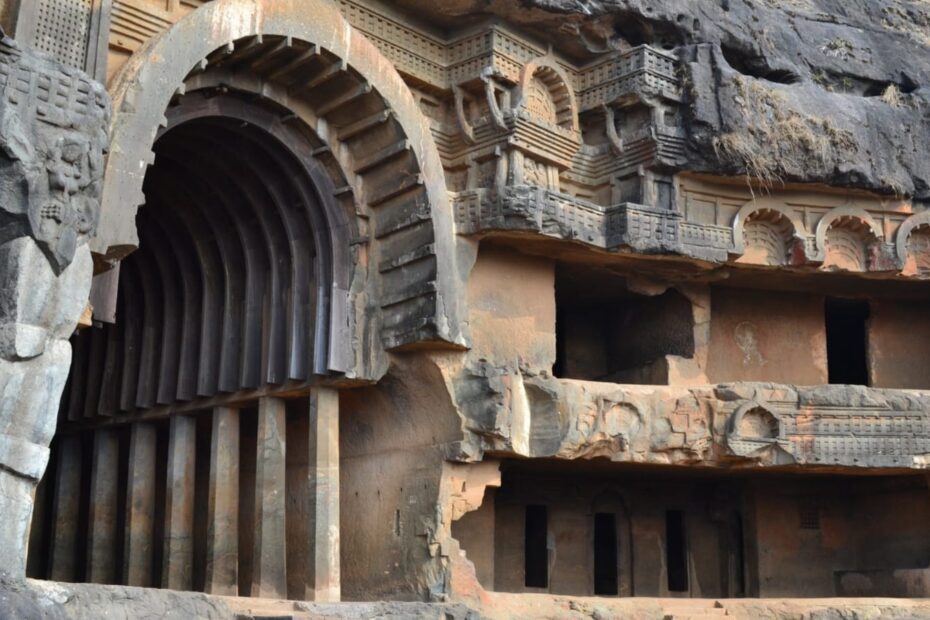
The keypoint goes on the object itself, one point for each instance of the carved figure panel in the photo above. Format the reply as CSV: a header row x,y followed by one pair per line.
x,y
535,173
52,134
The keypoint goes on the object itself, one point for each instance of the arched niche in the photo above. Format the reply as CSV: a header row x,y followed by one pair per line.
x,y
545,94
371,133
846,239
241,245
770,231
912,245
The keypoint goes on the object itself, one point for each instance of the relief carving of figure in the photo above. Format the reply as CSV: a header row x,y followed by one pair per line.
x,y
53,133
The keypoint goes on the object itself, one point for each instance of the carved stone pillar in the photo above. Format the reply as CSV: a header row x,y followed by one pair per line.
x,y
53,133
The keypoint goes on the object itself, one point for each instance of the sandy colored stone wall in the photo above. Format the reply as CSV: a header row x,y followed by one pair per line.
x,y
766,336
511,301
392,446
899,342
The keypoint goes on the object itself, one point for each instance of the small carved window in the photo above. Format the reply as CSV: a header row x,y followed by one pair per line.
x,y
809,516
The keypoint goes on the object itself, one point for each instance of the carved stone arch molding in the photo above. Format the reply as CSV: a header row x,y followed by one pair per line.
x,y
771,228
847,239
371,137
912,245
545,93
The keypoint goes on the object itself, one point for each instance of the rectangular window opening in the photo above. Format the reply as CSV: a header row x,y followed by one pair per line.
x,y
605,554
676,551
847,345
535,550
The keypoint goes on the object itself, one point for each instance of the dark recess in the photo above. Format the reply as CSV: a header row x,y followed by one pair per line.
x,y
676,551
536,553
605,554
847,341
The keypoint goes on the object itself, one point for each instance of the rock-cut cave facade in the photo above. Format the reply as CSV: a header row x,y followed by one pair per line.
x,y
321,300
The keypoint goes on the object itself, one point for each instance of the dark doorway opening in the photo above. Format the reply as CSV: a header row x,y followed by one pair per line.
x,y
536,552
847,341
605,554
739,559
676,551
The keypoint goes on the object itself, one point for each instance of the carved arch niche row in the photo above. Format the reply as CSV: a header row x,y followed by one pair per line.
x,y
844,239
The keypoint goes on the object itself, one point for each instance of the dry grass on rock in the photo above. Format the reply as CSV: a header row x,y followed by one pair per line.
x,y
775,141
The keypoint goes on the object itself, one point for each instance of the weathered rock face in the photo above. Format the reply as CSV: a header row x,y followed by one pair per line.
x,y
52,139
808,90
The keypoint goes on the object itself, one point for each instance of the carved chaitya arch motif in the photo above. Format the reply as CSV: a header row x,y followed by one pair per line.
x,y
539,102
752,428
912,245
769,239
544,93
766,232
918,252
847,239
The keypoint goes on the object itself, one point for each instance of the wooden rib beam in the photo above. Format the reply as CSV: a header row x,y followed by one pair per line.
x,y
322,77
384,155
365,124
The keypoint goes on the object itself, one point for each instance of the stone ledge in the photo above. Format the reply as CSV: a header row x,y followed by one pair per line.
x,y
31,599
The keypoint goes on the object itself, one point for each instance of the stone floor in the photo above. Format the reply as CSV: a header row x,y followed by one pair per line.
x,y
40,599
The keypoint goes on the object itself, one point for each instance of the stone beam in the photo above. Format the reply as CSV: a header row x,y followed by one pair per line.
x,y
223,505
324,461
103,517
179,505
140,507
66,507
731,425
269,578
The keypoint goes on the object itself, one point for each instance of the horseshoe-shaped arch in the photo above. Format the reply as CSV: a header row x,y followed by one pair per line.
x,y
350,95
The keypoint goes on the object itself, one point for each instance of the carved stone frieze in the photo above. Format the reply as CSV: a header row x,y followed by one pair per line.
x,y
52,132
730,425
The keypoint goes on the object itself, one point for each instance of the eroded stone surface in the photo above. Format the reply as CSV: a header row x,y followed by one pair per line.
x,y
728,424
52,136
